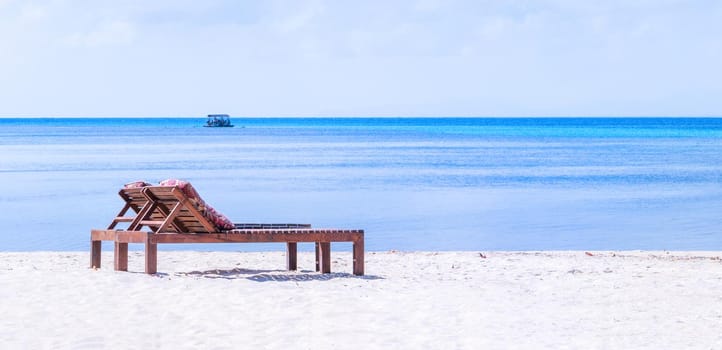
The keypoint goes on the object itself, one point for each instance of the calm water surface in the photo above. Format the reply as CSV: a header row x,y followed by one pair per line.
x,y
412,184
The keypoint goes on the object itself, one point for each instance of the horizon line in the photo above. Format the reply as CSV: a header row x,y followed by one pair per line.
x,y
363,117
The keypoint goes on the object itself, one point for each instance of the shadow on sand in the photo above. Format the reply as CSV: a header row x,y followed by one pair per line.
x,y
273,275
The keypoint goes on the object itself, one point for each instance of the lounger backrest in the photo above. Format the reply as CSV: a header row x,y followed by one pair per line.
x,y
135,202
187,215
133,197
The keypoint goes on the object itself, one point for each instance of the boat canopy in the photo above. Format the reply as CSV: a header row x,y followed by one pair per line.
x,y
218,120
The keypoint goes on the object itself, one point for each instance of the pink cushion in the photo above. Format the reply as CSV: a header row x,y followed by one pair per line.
x,y
220,220
137,184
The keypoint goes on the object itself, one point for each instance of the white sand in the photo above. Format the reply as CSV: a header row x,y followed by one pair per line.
x,y
455,300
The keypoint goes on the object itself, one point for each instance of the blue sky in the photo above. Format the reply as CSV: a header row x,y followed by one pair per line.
x,y
361,58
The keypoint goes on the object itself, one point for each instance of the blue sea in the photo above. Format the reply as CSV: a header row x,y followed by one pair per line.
x,y
412,183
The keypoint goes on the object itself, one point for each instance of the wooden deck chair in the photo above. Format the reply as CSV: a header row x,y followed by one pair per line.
x,y
176,214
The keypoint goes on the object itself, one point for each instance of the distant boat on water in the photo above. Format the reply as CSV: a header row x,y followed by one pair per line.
x,y
218,121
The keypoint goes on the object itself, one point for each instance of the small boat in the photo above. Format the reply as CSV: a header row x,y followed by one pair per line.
x,y
218,121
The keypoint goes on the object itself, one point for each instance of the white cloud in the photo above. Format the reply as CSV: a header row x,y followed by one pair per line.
x,y
406,57
32,13
428,5
300,18
109,33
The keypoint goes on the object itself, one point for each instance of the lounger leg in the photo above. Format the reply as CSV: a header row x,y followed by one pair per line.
x,y
95,248
318,257
151,257
120,256
291,255
325,257
358,258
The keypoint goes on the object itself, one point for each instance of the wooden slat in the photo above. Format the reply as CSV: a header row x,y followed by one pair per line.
x,y
102,235
209,226
123,219
261,236
131,236
299,231
162,213
96,236
151,222
247,226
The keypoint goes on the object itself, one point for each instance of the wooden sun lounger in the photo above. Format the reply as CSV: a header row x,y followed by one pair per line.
x,y
171,217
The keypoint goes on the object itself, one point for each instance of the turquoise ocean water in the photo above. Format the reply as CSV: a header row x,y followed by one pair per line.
x,y
412,184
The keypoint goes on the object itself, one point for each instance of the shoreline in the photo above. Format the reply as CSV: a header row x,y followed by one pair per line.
x,y
526,299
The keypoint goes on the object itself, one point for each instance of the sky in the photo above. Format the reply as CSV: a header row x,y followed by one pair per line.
x,y
298,58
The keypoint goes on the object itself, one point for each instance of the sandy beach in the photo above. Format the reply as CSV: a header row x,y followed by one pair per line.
x,y
444,300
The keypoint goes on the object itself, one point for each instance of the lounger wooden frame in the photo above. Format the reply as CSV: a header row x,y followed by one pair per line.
x,y
170,217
